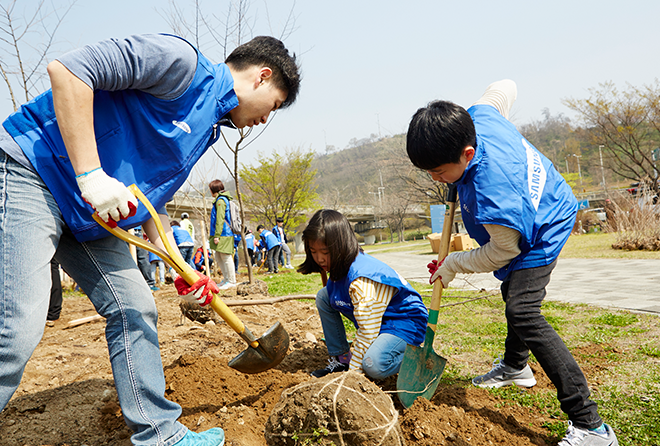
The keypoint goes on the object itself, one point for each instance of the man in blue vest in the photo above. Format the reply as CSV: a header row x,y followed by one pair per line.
x,y
520,210
138,110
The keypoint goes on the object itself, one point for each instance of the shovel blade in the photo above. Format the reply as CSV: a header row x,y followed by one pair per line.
x,y
273,346
419,374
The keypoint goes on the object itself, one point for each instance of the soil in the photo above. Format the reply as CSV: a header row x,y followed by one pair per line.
x,y
67,395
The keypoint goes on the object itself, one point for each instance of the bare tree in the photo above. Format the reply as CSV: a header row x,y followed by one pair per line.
x,y
26,40
238,27
626,125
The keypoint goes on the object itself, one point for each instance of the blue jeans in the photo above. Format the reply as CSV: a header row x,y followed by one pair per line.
x,y
383,357
32,231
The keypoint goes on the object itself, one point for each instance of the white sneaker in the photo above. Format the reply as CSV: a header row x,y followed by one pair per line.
x,y
502,375
576,436
227,285
289,266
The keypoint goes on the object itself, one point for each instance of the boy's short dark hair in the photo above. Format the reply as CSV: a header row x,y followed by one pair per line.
x,y
333,229
174,223
279,220
260,227
216,186
270,52
438,133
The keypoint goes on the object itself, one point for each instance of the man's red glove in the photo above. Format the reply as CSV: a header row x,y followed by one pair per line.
x,y
200,291
433,267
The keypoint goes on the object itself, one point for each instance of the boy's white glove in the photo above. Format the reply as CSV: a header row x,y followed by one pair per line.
x,y
108,196
440,271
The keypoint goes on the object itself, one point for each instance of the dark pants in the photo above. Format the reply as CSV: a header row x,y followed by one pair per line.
x,y
271,259
55,305
187,254
523,293
144,265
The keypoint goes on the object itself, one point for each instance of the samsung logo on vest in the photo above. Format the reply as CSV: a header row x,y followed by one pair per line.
x,y
536,174
183,126
341,303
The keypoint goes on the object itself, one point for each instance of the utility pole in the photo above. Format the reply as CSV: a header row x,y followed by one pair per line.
x,y
566,159
579,171
602,170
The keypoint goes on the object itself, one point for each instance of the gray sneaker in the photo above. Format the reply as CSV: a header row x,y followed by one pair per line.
x,y
576,436
502,375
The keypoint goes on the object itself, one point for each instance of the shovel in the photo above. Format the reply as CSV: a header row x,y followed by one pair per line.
x,y
263,353
421,368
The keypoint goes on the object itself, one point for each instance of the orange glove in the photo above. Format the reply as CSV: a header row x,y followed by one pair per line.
x,y
200,291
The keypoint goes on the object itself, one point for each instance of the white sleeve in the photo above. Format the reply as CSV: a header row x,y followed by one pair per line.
x,y
497,253
501,95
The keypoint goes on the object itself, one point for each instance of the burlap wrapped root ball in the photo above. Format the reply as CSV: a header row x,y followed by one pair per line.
x,y
339,409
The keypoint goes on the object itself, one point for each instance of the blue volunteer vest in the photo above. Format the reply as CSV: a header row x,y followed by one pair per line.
x,y
181,235
226,230
269,239
406,316
510,183
141,139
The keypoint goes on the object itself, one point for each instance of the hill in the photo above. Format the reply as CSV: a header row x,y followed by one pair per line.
x,y
353,175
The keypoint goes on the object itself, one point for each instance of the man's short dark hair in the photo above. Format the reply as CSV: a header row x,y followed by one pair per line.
x,y
260,227
438,133
333,229
270,52
279,220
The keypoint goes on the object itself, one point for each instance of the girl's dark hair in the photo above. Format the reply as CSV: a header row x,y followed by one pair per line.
x,y
438,133
333,229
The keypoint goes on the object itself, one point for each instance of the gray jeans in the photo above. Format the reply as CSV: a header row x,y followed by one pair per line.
x,y
523,293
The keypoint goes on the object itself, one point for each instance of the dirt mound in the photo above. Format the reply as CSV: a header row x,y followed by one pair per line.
x,y
67,396
342,408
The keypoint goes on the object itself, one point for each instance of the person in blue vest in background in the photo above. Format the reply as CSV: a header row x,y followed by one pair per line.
x,y
272,247
249,242
140,110
184,242
221,237
284,258
520,211
387,312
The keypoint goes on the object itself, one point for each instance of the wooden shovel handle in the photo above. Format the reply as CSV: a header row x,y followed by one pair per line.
x,y
445,240
174,259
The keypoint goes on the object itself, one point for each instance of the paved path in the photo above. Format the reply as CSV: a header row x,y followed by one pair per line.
x,y
627,284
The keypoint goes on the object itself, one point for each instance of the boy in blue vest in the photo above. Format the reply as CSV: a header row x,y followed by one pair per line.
x,y
520,210
272,246
138,110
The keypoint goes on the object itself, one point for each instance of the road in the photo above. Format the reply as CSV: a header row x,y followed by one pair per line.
x,y
626,284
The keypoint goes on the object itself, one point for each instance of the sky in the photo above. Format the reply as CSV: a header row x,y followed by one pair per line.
x,y
368,65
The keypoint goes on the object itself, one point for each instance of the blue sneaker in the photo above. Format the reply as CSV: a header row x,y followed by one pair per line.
x,y
211,437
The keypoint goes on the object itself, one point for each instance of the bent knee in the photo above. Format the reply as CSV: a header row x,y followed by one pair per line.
x,y
376,368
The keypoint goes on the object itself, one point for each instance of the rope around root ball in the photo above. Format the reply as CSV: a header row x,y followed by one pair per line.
x,y
339,381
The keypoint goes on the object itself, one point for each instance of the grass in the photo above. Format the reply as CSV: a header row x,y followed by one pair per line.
x,y
618,350
599,246
586,246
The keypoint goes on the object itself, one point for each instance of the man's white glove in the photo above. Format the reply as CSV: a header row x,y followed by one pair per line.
x,y
109,197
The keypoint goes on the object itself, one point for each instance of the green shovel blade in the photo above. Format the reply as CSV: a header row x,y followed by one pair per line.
x,y
420,371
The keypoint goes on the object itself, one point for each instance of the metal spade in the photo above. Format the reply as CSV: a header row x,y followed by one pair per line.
x,y
421,368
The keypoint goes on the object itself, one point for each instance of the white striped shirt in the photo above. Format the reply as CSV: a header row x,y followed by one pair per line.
x,y
370,300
